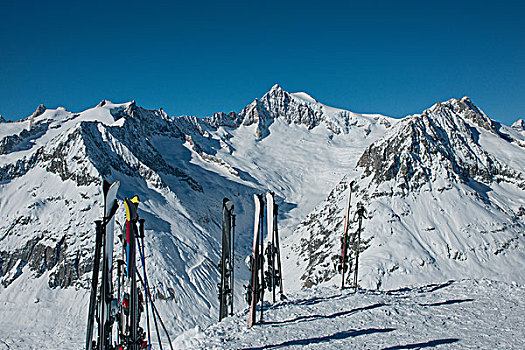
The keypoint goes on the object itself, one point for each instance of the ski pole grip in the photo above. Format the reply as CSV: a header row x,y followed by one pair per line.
x,y
98,225
141,228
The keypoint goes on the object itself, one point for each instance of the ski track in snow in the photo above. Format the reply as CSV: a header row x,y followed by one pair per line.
x,y
465,314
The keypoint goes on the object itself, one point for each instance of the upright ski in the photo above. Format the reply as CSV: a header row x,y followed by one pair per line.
x,y
226,264
273,256
270,245
94,286
106,294
360,213
277,258
254,286
104,247
130,300
344,238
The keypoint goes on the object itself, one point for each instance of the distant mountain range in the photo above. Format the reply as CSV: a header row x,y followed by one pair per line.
x,y
444,191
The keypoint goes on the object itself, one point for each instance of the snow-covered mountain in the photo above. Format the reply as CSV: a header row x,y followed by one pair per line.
x,y
444,191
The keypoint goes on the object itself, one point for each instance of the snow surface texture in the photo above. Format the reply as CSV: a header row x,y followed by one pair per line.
x,y
444,192
463,314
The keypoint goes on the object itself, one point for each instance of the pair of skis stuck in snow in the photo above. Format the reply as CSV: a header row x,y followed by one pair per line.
x,y
272,277
102,308
344,261
116,311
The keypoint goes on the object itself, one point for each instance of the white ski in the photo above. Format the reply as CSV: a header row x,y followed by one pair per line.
x,y
254,281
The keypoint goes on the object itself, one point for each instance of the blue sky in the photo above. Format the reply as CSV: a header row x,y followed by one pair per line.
x,y
389,57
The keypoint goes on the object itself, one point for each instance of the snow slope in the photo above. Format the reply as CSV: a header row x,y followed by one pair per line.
x,y
464,314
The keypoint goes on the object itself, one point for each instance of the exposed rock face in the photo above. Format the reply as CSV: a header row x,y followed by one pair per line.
x,y
66,268
439,142
39,111
19,168
17,141
278,103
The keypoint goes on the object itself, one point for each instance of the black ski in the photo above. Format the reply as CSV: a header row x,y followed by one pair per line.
x,y
344,239
360,213
226,265
94,284
273,255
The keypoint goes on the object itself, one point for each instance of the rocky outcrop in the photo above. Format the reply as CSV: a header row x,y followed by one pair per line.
x,y
64,268
439,142
39,111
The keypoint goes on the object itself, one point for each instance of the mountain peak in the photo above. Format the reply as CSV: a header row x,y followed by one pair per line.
x,y
276,87
465,109
466,99
519,124
39,111
275,92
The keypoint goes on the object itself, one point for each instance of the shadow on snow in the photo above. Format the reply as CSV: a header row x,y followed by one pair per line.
x,y
427,344
325,339
448,302
315,317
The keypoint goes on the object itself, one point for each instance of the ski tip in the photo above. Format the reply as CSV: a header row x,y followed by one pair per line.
x,y
105,186
228,204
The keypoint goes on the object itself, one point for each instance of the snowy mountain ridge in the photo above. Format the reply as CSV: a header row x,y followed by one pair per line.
x,y
444,192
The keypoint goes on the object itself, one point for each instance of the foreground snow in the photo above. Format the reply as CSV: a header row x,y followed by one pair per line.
x,y
456,314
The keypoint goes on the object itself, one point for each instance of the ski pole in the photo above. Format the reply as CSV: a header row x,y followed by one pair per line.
x,y
143,260
94,283
233,261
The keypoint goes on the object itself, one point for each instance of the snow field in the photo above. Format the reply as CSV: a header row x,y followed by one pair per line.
x,y
466,314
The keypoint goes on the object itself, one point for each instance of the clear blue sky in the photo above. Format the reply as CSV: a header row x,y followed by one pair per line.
x,y
200,57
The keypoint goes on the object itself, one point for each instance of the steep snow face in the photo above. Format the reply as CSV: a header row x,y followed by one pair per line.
x,y
440,205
